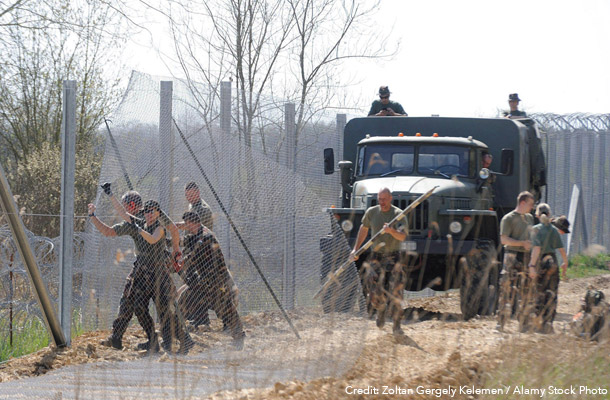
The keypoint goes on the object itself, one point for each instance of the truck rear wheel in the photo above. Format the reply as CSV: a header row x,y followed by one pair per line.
x,y
479,277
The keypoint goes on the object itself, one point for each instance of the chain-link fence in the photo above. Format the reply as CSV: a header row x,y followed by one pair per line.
x,y
267,192
576,148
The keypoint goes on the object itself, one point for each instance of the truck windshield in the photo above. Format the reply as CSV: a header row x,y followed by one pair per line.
x,y
385,159
444,160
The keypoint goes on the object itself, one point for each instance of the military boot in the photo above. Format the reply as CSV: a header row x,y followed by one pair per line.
x,y
152,346
186,345
111,341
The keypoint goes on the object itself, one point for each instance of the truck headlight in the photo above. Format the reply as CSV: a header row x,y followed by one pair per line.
x,y
347,225
455,227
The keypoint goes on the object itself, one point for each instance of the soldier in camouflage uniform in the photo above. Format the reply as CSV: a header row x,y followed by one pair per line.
x,y
148,279
196,204
593,320
210,285
203,210
544,273
514,235
137,212
384,277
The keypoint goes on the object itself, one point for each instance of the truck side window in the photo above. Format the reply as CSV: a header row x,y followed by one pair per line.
x,y
360,166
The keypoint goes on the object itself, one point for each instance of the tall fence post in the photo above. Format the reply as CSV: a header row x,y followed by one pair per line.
x,y
602,187
290,234
566,170
226,168
166,147
577,218
66,225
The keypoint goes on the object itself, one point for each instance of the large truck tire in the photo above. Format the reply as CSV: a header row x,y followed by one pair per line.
x,y
478,270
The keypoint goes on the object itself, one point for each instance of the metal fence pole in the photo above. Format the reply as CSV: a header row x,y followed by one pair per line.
x,y
552,170
566,172
166,147
225,126
289,238
68,139
602,187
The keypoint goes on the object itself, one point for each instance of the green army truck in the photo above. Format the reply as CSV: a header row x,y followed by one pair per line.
x,y
453,235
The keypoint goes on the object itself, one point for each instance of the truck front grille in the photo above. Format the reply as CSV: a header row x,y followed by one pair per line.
x,y
459,204
418,218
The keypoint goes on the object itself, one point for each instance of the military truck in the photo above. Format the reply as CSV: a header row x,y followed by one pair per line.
x,y
454,234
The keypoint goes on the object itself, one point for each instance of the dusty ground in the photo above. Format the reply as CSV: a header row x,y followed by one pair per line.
x,y
434,353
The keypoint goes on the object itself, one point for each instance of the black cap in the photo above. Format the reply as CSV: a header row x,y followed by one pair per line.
x,y
191,216
513,97
384,91
562,223
151,205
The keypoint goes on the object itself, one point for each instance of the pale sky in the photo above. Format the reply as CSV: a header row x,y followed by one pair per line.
x,y
463,58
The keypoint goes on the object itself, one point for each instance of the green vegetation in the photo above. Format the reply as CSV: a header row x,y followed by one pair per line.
x,y
29,335
582,265
556,363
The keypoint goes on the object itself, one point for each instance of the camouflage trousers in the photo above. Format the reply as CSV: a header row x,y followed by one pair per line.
x,y
146,282
513,286
384,279
198,299
541,304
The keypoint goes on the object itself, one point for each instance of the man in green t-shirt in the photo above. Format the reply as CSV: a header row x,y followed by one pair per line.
x,y
384,107
514,235
384,262
543,270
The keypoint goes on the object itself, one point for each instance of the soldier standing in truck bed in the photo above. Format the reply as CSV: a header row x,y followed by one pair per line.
x,y
384,107
385,258
210,285
514,235
513,103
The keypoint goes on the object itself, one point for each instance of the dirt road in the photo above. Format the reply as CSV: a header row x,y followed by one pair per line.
x,y
338,355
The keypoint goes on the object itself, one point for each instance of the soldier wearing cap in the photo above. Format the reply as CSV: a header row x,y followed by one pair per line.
x,y
136,211
203,210
196,204
210,285
514,234
149,279
543,271
384,106
513,103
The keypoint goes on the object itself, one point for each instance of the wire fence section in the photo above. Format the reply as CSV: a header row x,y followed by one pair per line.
x,y
576,148
262,176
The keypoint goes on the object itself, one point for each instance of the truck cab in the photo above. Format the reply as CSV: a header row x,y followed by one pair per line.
x,y
410,155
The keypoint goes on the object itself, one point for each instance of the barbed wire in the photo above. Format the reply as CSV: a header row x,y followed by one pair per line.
x,y
573,122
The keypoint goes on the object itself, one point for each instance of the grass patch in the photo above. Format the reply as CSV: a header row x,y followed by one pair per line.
x,y
29,335
582,266
556,362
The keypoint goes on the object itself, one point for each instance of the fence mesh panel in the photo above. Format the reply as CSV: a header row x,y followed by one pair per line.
x,y
267,200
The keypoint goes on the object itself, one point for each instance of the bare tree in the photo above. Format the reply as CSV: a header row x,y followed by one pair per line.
x,y
245,41
76,40
36,61
328,33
